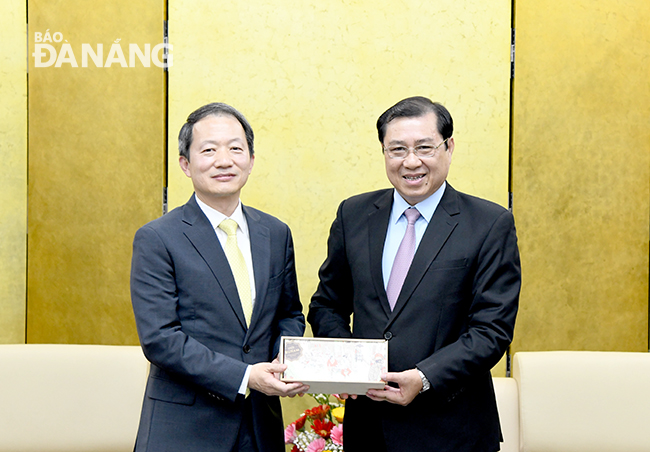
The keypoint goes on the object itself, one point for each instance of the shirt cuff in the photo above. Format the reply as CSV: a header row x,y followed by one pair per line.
x,y
244,383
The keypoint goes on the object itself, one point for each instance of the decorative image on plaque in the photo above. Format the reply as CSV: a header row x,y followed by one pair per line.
x,y
334,366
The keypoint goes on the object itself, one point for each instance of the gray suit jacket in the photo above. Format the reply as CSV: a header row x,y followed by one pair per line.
x,y
192,329
454,317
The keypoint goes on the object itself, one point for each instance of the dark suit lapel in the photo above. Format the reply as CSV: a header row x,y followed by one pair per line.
x,y
260,238
437,233
377,227
198,230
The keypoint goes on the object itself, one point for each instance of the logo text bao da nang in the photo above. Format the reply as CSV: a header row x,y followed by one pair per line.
x,y
46,55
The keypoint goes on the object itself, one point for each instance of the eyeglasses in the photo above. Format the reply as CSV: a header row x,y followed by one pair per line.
x,y
422,150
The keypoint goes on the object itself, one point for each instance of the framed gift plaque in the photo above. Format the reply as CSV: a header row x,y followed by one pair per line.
x,y
334,366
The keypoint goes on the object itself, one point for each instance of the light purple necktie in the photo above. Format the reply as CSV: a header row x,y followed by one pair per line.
x,y
403,258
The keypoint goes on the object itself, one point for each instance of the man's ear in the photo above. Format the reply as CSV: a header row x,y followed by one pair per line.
x,y
250,168
185,165
450,145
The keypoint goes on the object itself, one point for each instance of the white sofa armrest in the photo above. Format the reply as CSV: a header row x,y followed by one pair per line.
x,y
507,395
70,397
583,401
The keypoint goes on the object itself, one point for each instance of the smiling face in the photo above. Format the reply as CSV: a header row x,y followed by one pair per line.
x,y
219,163
417,178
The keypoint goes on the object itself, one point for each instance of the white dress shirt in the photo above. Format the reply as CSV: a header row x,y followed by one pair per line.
x,y
244,242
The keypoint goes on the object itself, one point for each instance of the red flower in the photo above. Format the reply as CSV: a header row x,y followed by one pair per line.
x,y
323,428
318,412
295,449
300,422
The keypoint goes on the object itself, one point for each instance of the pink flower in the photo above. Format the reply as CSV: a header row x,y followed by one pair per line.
x,y
337,435
317,445
289,434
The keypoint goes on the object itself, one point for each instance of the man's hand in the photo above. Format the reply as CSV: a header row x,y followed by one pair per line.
x,y
410,385
344,396
264,378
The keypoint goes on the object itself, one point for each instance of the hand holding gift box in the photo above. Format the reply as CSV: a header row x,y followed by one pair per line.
x,y
335,366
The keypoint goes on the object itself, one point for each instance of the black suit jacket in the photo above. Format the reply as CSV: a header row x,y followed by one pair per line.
x,y
191,327
453,319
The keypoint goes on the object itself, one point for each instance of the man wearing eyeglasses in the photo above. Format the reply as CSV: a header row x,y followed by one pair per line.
x,y
436,273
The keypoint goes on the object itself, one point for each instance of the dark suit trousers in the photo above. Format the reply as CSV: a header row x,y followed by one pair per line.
x,y
372,438
246,436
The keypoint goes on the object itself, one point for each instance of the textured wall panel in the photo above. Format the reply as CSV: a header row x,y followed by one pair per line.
x,y
581,173
96,163
313,79
13,172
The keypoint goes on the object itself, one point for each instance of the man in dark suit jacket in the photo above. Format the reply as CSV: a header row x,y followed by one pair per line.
x,y
206,354
453,317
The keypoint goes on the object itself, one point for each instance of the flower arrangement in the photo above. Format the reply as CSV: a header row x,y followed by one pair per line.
x,y
319,429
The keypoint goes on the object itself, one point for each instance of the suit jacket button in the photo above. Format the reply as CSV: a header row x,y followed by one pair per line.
x,y
247,348
388,335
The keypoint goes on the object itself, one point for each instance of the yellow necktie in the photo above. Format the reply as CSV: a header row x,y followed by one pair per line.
x,y
238,267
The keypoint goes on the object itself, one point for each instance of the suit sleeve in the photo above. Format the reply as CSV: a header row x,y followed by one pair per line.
x,y
491,316
332,304
289,318
154,295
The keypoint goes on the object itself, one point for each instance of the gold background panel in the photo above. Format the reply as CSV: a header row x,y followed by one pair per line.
x,y
312,80
96,165
581,173
13,173
313,77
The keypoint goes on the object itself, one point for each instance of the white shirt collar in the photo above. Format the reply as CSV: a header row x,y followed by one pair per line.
x,y
215,217
426,208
